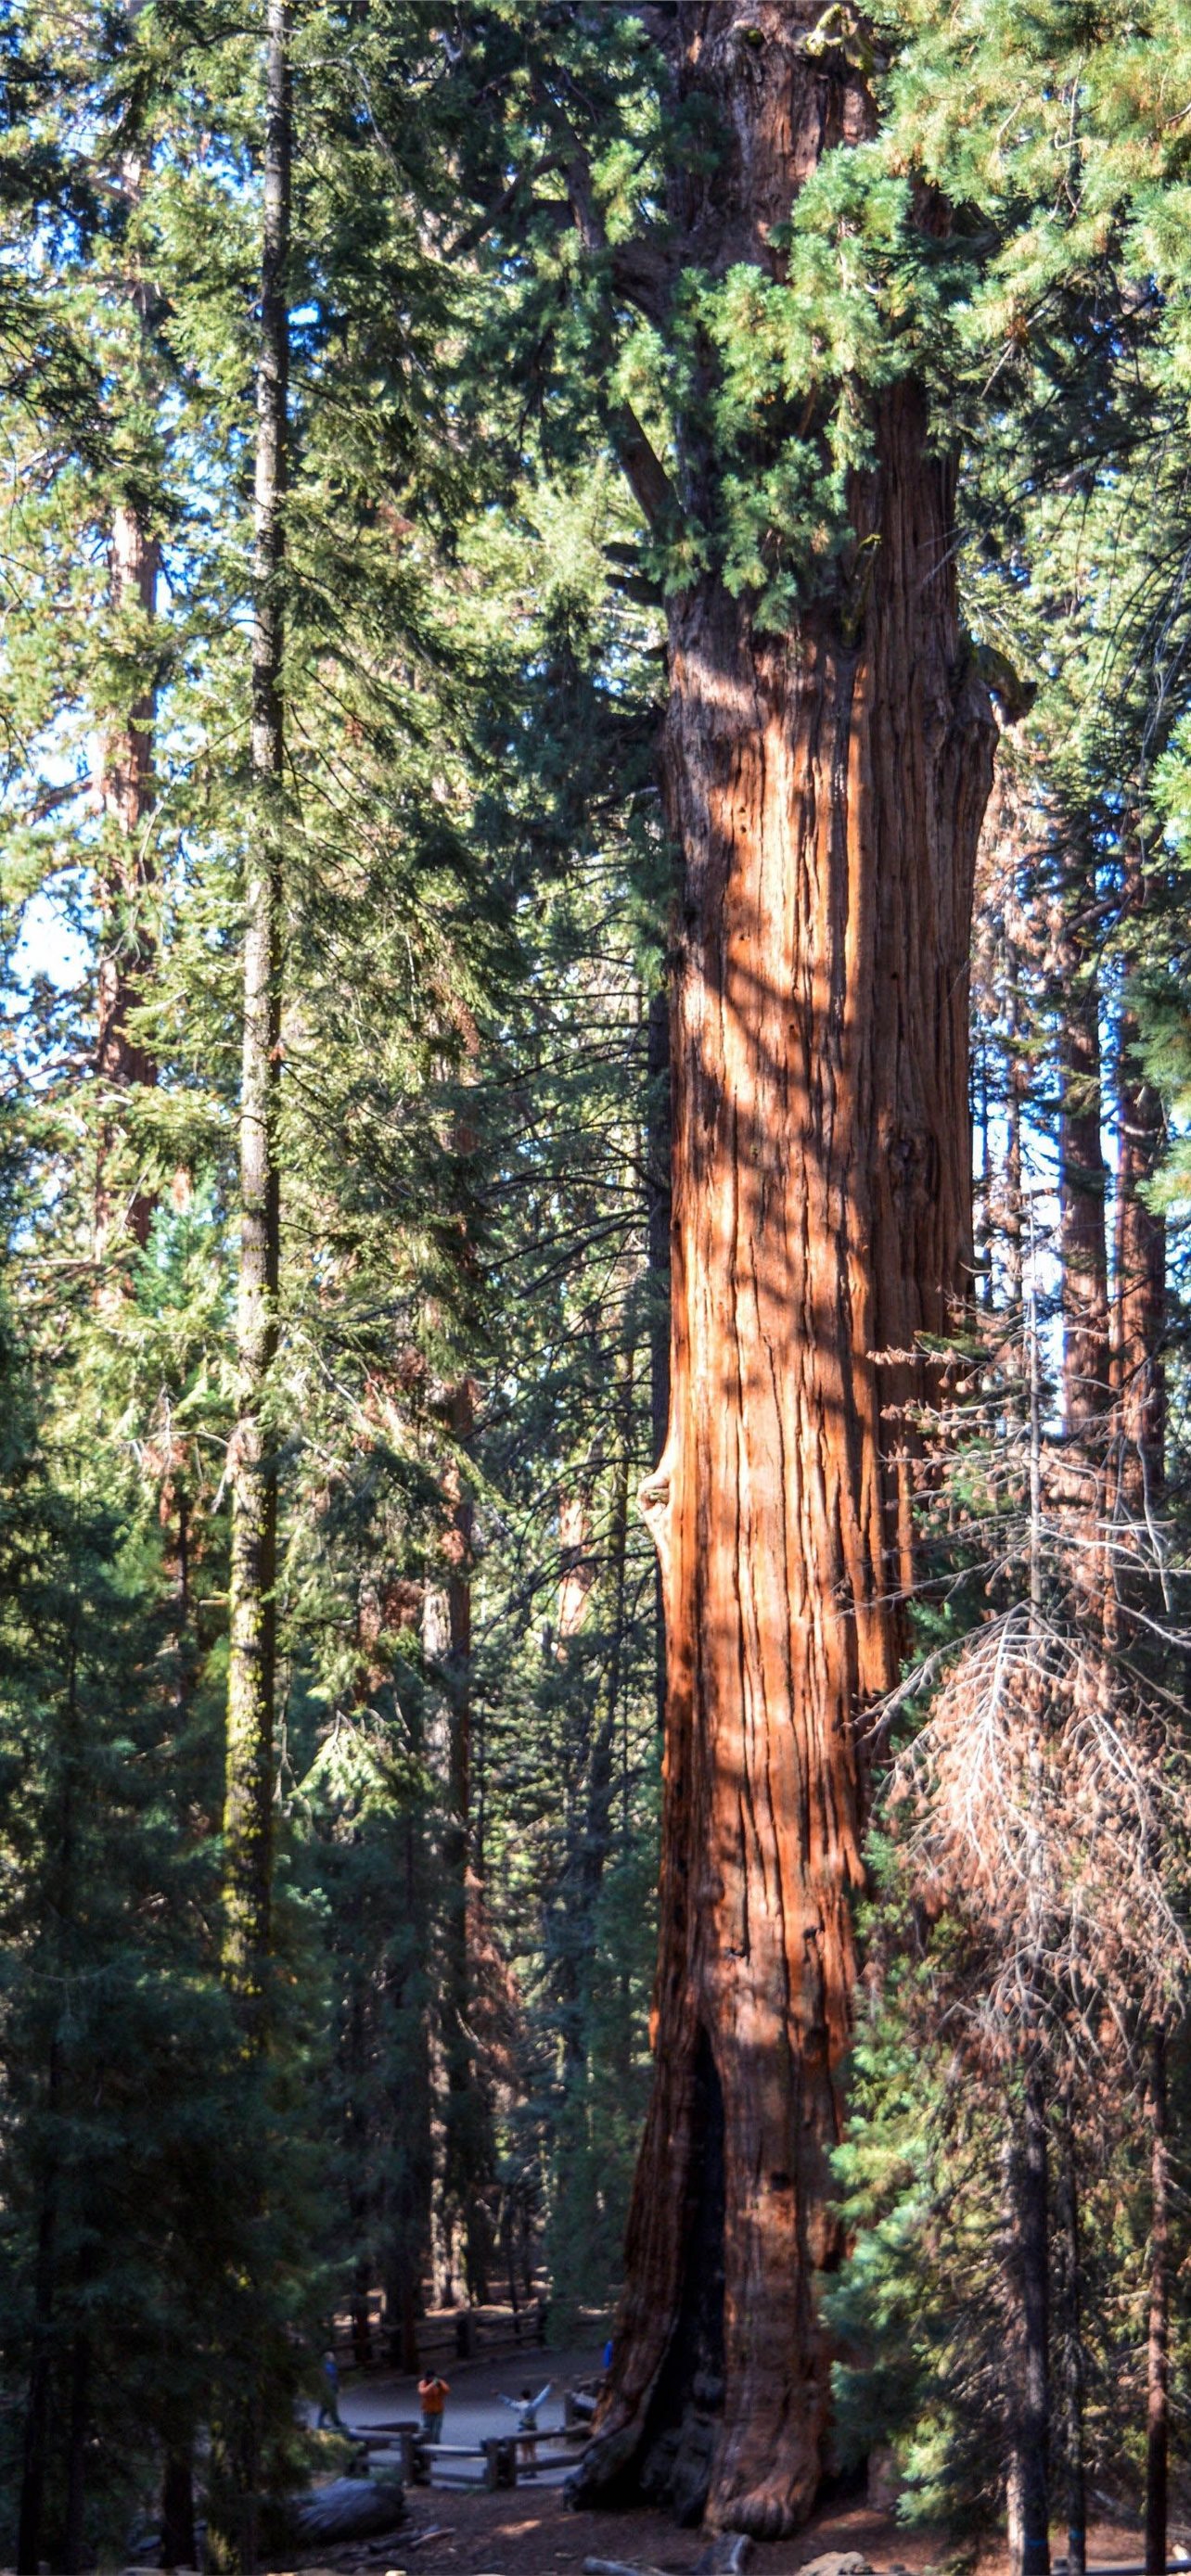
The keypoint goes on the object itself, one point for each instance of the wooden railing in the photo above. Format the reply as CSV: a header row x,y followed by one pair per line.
x,y
500,2460
445,2336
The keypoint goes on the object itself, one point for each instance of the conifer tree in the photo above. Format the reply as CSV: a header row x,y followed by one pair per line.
x,y
248,1823
773,471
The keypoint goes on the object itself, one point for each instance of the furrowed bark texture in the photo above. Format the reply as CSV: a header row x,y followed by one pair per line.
x,y
825,789
248,1807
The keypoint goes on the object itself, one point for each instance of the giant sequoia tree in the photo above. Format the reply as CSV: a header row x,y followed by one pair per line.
x,y
826,758
572,749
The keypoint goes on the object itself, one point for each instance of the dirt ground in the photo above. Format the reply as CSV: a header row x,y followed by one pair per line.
x,y
531,2532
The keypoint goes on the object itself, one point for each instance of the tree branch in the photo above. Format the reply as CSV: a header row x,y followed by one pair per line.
x,y
642,466
640,463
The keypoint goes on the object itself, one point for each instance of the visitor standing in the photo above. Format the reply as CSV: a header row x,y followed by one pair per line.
x,y
328,2412
525,2408
432,2397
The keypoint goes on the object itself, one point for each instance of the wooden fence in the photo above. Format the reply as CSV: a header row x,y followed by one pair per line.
x,y
502,2460
366,2338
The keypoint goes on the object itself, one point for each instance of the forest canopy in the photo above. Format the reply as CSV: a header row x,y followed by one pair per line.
x,y
595,774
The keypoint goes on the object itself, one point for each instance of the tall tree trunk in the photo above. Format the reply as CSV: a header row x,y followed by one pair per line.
x,y
576,1691
74,2553
576,1569
598,1838
1140,1383
1029,2341
356,2055
1017,1090
249,1779
1140,1283
589,1835
39,2395
178,2545
1158,2340
122,1060
409,2177
1073,2356
469,2153
1083,1184
825,789
35,2460
248,1808
658,1148
1079,1484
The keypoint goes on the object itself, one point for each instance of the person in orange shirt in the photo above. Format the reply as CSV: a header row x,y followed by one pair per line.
x,y
432,2396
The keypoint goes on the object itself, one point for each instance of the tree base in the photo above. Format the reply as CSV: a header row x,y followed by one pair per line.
x,y
678,2475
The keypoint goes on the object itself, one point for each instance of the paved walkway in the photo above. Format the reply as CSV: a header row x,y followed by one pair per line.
x,y
474,2410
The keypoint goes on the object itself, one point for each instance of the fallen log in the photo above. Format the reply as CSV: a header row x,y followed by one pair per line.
x,y
347,2509
727,2555
617,2567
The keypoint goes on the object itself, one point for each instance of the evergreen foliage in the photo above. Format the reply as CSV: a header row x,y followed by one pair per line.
x,y
516,434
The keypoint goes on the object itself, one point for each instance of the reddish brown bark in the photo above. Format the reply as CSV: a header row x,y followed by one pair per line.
x,y
825,789
122,1060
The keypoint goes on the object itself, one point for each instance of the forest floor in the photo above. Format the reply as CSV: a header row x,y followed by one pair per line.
x,y
530,2533
457,2531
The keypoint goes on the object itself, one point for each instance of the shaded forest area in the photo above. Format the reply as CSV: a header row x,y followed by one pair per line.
x,y
595,720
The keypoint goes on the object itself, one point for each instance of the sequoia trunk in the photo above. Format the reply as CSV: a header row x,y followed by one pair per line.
x,y
826,794
825,789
